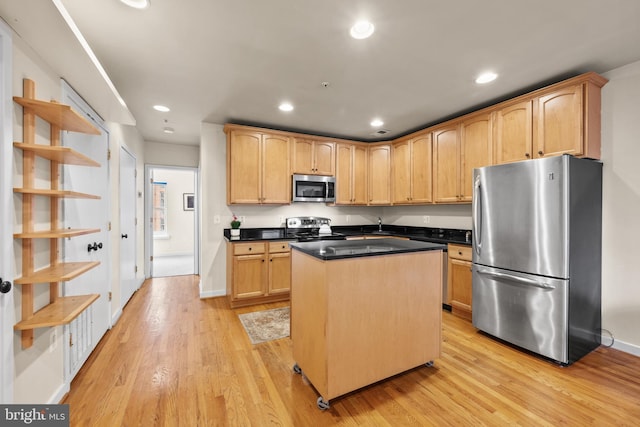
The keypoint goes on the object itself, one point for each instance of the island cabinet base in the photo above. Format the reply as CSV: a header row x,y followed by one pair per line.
x,y
360,320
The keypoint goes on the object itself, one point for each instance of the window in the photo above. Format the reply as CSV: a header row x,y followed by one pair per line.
x,y
160,209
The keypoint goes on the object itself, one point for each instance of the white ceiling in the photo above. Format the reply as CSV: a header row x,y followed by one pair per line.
x,y
235,60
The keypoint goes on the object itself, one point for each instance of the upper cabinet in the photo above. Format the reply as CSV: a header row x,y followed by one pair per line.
x,y
561,119
313,157
257,167
475,150
351,174
411,170
379,171
446,164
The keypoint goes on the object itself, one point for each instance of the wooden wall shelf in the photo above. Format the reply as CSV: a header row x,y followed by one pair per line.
x,y
55,193
62,272
60,312
58,114
65,155
56,234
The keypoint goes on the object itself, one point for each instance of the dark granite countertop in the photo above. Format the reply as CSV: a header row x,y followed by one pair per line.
x,y
423,234
341,249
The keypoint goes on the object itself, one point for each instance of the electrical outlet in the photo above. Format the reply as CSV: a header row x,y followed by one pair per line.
x,y
241,218
281,220
216,219
426,219
53,340
348,218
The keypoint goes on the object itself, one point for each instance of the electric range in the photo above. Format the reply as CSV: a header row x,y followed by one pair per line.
x,y
310,228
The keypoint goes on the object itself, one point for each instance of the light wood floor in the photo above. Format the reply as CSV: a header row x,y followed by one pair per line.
x,y
176,360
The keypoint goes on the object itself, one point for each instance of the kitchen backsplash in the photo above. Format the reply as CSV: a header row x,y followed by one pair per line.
x,y
443,216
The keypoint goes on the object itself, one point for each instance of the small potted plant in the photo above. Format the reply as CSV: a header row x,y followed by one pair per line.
x,y
235,226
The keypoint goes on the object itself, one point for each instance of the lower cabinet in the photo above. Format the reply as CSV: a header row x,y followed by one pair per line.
x,y
459,280
258,272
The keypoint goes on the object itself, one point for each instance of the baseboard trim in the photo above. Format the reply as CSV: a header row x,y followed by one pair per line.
x,y
622,346
212,294
60,394
116,317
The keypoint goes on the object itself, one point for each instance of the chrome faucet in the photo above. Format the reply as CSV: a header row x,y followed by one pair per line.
x,y
379,224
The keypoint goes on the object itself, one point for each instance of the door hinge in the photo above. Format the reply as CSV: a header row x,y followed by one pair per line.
x,y
151,258
108,154
135,221
136,269
110,296
70,340
135,173
109,228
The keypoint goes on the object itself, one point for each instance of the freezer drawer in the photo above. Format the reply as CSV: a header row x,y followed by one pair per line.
x,y
523,309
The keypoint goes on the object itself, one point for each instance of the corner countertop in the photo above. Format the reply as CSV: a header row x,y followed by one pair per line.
x,y
340,249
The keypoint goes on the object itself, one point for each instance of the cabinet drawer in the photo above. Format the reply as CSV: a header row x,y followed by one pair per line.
x,y
248,248
275,247
460,252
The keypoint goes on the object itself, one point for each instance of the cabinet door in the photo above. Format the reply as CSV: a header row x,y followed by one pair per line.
x,y
401,172
460,284
276,177
359,184
279,272
559,123
512,133
475,151
243,167
421,172
344,175
446,165
249,276
379,175
324,158
303,156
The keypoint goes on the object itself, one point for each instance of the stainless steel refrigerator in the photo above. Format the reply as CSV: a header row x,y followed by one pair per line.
x,y
537,233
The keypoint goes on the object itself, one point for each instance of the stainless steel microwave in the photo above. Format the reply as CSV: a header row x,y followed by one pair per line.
x,y
314,188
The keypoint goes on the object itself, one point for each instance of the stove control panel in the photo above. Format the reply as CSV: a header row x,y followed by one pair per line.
x,y
307,222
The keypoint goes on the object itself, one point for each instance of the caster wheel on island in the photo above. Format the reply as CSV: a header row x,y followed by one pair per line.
x,y
323,405
297,369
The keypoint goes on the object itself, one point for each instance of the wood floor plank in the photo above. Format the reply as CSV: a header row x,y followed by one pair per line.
x,y
176,360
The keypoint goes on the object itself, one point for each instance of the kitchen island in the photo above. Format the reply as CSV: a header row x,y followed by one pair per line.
x,y
364,310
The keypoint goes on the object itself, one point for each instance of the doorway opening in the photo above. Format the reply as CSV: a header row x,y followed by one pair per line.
x,y
172,237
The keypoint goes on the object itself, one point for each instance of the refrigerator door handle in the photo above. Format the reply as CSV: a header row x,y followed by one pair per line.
x,y
517,279
477,219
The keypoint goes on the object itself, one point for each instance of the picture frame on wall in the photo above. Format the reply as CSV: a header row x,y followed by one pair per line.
x,y
188,201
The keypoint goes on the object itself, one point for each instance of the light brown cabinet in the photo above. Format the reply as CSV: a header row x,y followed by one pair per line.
x,y
411,170
311,157
258,272
446,164
351,174
459,276
564,119
475,150
258,167
379,170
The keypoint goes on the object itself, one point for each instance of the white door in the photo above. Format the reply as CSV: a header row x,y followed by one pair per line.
x,y
86,330
6,223
128,282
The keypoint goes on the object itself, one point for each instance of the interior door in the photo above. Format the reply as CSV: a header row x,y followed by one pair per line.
x,y
128,283
6,225
87,213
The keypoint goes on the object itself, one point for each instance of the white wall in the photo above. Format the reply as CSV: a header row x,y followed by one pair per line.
x,y
160,153
621,211
39,370
180,223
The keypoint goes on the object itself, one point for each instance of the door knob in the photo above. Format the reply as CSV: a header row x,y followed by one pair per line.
x,y
124,236
4,286
94,247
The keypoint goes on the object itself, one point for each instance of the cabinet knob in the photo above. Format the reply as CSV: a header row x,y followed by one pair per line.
x,y
541,153
459,253
250,248
527,155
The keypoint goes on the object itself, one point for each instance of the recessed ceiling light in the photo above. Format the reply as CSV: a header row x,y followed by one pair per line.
x,y
138,4
168,130
362,30
161,108
486,78
285,106
377,123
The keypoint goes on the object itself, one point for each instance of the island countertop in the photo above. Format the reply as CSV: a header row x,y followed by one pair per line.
x,y
341,249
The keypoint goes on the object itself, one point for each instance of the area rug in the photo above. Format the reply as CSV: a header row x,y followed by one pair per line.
x,y
266,325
